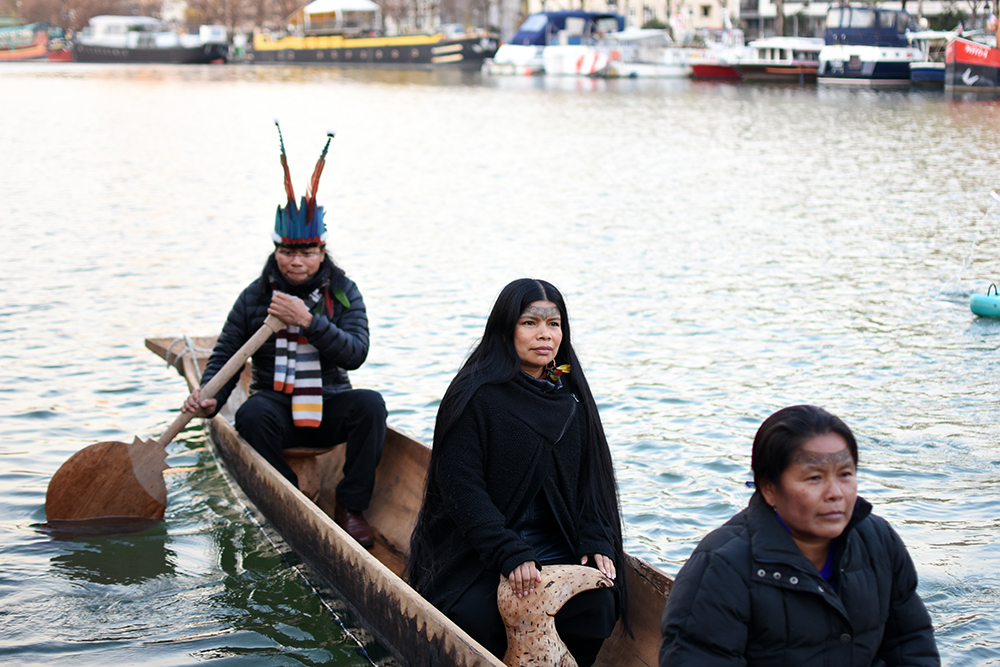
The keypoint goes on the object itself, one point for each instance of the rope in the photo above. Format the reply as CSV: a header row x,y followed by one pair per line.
x,y
189,349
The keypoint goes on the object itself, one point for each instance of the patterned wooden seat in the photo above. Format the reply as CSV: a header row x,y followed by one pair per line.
x,y
532,640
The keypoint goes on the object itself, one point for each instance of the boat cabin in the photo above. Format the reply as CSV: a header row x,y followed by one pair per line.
x,y
566,27
786,50
867,26
338,17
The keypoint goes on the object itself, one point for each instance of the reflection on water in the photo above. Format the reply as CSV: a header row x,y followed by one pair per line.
x,y
126,560
725,250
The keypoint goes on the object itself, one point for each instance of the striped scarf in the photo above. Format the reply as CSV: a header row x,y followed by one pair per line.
x,y
297,371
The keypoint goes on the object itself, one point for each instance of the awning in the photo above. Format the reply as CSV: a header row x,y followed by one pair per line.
x,y
338,6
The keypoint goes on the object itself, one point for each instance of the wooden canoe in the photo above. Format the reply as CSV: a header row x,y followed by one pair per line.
x,y
369,580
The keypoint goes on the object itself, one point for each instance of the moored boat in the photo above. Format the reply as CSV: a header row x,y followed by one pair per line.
x,y
553,42
643,53
866,46
717,61
928,70
781,59
370,580
348,33
972,66
34,41
143,39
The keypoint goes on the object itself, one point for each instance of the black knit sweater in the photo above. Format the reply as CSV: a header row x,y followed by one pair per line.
x,y
511,442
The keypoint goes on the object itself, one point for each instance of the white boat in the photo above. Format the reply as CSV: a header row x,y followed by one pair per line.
x,y
722,50
791,59
928,70
643,53
562,37
630,53
143,39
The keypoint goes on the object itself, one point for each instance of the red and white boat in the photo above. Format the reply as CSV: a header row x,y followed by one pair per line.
x,y
972,66
34,41
717,61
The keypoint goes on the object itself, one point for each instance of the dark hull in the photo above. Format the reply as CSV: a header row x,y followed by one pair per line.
x,y
199,55
778,73
869,73
972,67
927,77
465,53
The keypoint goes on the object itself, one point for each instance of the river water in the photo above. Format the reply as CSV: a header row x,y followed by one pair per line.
x,y
724,250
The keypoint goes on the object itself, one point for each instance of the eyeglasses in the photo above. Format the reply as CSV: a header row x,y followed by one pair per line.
x,y
305,254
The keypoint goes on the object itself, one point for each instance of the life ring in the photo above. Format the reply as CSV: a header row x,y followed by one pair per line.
x,y
616,54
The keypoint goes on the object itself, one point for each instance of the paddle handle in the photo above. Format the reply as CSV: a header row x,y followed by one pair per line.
x,y
235,364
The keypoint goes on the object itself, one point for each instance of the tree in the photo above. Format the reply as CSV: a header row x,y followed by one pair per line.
x,y
46,11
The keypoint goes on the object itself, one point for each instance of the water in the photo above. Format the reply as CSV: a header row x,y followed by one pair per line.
x,y
724,250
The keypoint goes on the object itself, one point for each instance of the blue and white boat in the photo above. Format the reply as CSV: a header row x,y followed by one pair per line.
x,y
557,35
867,46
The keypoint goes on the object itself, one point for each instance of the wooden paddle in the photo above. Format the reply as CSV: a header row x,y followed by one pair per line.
x,y
113,480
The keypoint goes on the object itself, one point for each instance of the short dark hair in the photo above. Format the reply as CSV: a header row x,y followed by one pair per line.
x,y
783,434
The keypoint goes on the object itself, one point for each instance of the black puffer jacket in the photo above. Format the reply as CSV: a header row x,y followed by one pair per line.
x,y
748,596
511,441
341,338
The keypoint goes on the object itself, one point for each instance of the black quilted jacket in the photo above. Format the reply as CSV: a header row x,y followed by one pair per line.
x,y
748,596
341,338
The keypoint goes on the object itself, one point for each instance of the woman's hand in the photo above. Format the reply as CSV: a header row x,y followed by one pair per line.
x,y
197,406
523,578
603,563
290,310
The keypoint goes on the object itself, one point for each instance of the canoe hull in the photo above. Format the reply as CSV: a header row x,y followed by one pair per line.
x,y
369,580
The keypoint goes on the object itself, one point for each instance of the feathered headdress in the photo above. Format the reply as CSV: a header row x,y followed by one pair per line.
x,y
303,224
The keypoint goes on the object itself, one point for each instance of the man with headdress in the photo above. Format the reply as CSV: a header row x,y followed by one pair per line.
x,y
300,394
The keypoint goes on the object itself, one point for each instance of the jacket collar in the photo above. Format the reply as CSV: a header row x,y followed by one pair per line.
x,y
770,542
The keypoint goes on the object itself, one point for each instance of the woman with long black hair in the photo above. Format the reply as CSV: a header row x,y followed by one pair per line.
x,y
520,477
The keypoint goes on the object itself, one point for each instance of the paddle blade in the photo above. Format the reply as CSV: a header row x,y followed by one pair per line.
x,y
109,479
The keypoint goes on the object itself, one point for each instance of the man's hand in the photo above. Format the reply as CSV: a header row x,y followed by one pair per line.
x,y
197,406
290,310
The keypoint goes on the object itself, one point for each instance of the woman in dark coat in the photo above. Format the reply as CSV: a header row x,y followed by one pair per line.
x,y
806,575
520,477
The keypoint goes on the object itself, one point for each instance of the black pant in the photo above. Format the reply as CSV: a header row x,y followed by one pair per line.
x,y
357,416
584,622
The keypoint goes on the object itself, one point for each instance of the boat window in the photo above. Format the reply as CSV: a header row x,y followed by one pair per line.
x,y
606,24
835,15
575,25
901,20
886,19
862,18
535,23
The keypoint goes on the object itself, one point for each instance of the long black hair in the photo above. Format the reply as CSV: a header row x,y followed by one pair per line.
x,y
494,361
